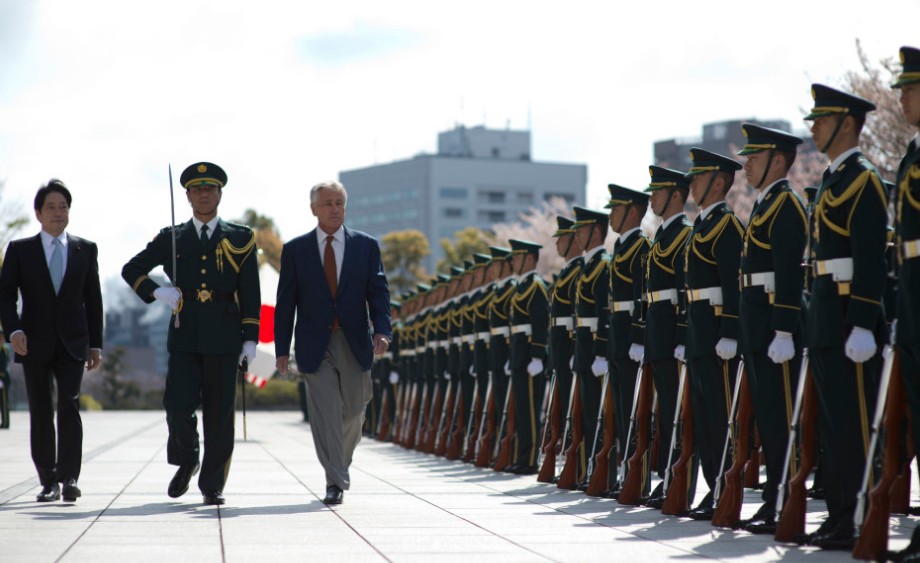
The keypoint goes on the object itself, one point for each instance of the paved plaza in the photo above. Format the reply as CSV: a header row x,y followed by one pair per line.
x,y
403,506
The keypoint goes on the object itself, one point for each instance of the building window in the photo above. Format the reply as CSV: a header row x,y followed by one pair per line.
x,y
453,193
453,212
569,198
492,216
525,197
492,197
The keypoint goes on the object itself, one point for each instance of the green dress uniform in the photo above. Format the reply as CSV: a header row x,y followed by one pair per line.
x,y
907,246
630,252
529,316
480,303
592,318
500,336
849,249
711,261
664,284
465,374
219,281
562,321
772,281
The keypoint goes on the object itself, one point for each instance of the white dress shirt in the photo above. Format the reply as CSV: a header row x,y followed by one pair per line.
x,y
212,224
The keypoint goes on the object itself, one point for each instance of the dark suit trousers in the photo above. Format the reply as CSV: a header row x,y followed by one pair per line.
x,y
208,381
67,374
846,396
773,388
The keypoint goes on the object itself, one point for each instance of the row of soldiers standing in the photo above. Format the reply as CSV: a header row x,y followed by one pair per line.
x,y
666,336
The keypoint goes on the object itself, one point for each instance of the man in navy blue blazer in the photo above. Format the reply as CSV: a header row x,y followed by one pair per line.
x,y
334,299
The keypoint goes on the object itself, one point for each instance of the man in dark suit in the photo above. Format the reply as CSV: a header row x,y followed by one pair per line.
x,y
215,324
332,281
58,333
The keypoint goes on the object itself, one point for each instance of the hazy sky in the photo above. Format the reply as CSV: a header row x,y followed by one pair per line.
x,y
104,94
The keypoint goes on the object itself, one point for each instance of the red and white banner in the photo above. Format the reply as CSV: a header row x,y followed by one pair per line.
x,y
263,367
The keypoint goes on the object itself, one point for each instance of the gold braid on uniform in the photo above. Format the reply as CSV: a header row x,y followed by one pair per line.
x,y
561,284
770,215
138,282
855,190
528,297
659,255
230,251
624,257
590,279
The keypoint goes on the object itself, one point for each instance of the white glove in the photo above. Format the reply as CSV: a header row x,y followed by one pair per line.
x,y
507,368
572,362
599,367
680,352
447,376
727,348
1,384
781,349
168,295
249,352
636,352
535,367
394,377
860,345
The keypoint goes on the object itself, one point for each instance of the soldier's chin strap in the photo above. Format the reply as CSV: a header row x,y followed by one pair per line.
x,y
712,179
623,220
588,242
766,169
568,247
523,263
830,141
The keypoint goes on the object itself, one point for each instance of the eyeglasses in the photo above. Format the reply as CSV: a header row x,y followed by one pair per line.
x,y
203,189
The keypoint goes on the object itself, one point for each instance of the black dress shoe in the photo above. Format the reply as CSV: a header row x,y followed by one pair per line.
x,y
655,502
765,525
702,513
614,494
50,493
816,493
214,497
825,530
179,484
334,495
70,491
838,540
909,553
521,469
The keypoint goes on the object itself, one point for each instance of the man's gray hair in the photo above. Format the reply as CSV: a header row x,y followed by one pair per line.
x,y
330,185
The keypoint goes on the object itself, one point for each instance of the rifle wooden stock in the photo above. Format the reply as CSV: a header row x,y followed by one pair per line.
x,y
456,435
733,411
752,467
446,419
505,434
433,419
472,429
486,431
383,421
598,482
728,511
417,425
677,499
656,432
792,520
568,477
401,391
872,543
552,431
633,470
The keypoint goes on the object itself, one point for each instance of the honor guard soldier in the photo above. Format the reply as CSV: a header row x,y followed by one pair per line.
x,y
562,318
906,335
499,332
630,251
665,297
845,321
772,301
479,302
592,317
713,253
215,300
529,316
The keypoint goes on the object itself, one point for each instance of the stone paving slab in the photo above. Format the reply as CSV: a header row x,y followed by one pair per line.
x,y
403,507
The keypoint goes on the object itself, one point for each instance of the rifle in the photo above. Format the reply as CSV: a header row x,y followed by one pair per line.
x,y
656,432
733,411
439,437
872,527
752,468
568,477
598,480
468,444
677,499
417,425
792,519
456,435
551,434
638,423
486,429
383,421
794,431
401,391
241,375
503,444
728,510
